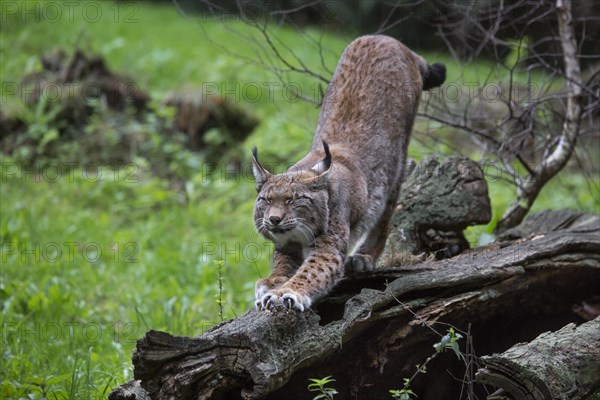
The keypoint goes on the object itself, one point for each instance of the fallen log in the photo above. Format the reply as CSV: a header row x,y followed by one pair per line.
x,y
502,294
556,365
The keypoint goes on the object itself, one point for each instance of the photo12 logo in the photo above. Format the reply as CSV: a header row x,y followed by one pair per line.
x,y
251,252
70,11
252,92
54,172
70,332
50,92
54,252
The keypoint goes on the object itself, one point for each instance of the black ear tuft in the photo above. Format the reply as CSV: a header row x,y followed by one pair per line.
x,y
260,173
327,159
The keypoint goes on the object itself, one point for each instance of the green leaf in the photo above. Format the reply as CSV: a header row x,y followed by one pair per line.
x,y
454,347
37,380
49,136
57,379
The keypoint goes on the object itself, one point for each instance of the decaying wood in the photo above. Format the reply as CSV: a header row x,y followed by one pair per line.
x,y
556,365
437,202
506,293
129,391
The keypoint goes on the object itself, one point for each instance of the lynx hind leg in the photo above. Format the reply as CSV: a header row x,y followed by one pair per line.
x,y
358,260
371,245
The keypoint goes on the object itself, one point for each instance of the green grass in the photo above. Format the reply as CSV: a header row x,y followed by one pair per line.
x,y
88,265
165,51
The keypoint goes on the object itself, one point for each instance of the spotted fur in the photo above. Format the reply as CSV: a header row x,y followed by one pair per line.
x,y
340,196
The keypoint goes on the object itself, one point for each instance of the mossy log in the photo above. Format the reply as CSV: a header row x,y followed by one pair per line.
x,y
502,294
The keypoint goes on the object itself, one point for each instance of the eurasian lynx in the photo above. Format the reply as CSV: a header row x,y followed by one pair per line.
x,y
337,201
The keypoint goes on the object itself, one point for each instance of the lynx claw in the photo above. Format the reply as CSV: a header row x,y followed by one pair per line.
x,y
259,305
264,303
289,303
264,287
293,300
289,300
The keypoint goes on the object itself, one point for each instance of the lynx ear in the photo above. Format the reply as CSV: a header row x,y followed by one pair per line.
x,y
322,168
260,173
325,163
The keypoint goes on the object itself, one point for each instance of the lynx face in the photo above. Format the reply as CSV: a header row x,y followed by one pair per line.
x,y
291,209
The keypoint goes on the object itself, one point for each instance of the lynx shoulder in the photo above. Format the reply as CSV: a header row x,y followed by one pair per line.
x,y
331,210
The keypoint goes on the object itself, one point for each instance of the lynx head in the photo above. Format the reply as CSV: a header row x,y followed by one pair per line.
x,y
291,208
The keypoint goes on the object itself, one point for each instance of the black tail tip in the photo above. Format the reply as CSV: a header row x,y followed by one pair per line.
x,y
435,76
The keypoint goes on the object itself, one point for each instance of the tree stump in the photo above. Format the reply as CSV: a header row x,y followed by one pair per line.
x,y
437,202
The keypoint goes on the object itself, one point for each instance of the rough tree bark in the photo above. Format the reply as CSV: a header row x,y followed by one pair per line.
x,y
437,202
558,365
376,326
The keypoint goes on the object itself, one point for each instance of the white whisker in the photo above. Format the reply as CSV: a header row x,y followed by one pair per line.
x,y
306,231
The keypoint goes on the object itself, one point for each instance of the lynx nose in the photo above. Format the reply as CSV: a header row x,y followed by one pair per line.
x,y
275,220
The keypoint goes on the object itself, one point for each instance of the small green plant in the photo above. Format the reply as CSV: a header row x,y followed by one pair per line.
x,y
448,341
318,385
219,296
405,393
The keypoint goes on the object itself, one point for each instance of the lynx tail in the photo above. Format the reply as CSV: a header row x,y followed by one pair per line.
x,y
434,76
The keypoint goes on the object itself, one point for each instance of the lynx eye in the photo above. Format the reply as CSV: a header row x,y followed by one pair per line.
x,y
263,199
303,199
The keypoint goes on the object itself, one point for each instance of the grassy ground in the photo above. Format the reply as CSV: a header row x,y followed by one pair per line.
x,y
90,260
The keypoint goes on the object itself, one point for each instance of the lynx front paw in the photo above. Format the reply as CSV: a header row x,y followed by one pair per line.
x,y
264,285
288,298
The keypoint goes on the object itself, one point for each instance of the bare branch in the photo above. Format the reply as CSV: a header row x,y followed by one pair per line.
x,y
562,151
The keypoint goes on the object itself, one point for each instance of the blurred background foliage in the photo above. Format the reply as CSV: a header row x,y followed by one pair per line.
x,y
126,189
